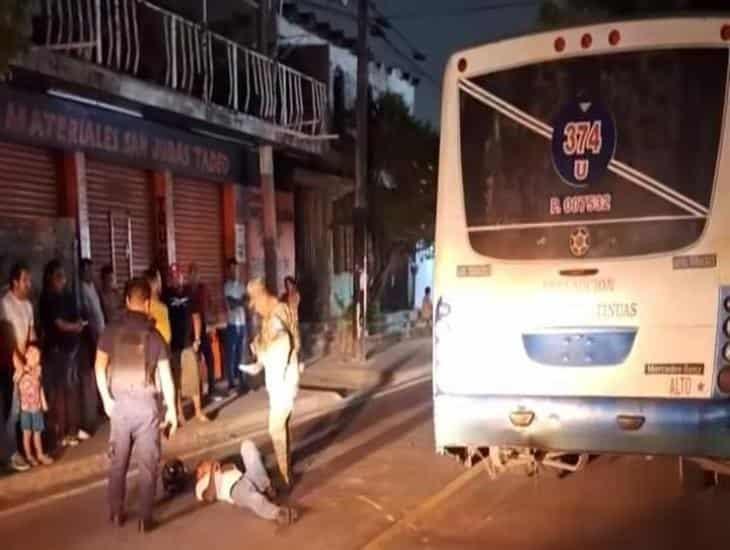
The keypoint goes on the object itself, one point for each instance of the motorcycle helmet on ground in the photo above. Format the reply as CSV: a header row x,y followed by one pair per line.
x,y
174,477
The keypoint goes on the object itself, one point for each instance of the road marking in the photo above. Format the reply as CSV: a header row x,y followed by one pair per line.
x,y
408,521
89,486
424,508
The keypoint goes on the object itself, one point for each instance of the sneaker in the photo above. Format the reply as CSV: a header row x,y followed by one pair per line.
x,y
69,441
18,463
83,436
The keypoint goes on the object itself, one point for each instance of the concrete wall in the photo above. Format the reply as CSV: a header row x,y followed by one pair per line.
x,y
250,214
291,34
36,242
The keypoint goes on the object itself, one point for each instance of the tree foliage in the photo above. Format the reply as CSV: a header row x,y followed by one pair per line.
x,y
14,30
403,171
403,168
569,12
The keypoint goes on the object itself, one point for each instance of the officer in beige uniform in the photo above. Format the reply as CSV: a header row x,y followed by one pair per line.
x,y
275,348
132,367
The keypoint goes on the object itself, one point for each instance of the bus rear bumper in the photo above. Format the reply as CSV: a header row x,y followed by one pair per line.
x,y
689,427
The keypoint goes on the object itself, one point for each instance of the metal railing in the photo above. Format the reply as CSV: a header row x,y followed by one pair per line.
x,y
139,38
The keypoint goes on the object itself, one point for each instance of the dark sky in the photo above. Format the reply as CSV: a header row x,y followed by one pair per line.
x,y
438,28
441,27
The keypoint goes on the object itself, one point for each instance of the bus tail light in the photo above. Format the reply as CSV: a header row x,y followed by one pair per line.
x,y
723,380
722,350
725,32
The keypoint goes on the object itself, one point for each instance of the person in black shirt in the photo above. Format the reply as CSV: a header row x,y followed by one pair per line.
x,y
61,330
186,328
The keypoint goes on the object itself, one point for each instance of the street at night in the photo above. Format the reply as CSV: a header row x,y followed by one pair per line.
x,y
377,483
364,274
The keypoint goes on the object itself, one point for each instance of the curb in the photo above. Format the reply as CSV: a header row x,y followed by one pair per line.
x,y
21,486
251,431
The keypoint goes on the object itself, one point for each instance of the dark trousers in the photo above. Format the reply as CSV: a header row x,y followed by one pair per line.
x,y
8,416
236,343
88,392
61,384
207,352
134,427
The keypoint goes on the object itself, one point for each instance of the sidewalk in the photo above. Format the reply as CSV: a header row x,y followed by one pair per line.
x,y
322,387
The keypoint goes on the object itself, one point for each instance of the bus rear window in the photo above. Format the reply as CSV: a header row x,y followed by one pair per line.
x,y
598,156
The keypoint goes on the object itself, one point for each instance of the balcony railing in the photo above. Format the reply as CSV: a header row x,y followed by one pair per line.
x,y
141,39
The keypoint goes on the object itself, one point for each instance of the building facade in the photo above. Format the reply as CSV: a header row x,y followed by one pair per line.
x,y
136,136
321,42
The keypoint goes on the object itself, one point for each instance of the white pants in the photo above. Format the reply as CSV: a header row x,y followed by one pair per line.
x,y
282,385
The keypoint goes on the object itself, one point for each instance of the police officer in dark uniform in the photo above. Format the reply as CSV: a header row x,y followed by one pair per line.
x,y
132,367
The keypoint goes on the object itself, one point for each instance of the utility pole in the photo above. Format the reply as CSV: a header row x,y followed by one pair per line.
x,y
360,273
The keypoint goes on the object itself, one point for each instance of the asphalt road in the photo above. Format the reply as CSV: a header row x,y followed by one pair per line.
x,y
374,481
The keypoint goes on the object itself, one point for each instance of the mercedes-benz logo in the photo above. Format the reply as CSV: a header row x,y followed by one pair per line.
x,y
580,242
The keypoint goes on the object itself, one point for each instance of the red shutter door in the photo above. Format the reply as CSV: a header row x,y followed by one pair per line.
x,y
198,212
28,182
120,218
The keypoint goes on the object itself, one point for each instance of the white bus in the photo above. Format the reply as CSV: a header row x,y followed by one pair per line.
x,y
582,269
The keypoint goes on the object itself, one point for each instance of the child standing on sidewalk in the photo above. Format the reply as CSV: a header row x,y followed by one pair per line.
x,y
32,406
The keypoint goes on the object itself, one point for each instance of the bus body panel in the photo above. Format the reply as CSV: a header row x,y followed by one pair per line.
x,y
497,320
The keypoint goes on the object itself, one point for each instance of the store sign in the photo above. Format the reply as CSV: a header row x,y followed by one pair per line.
x,y
584,141
56,123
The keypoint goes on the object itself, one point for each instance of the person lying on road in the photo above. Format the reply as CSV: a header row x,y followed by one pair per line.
x,y
250,489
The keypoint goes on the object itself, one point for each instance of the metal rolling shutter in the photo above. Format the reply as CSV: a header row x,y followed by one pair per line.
x,y
28,182
198,210
119,198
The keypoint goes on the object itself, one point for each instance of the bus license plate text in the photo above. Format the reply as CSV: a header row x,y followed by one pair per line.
x,y
580,204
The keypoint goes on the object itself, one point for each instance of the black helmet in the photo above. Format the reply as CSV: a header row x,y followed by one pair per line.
x,y
174,476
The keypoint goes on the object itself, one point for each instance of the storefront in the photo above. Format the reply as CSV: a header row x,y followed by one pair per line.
x,y
120,204
28,177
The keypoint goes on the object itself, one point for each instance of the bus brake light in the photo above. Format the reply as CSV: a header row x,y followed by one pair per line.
x,y
723,380
614,37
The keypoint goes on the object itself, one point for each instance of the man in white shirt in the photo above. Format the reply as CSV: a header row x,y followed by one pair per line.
x,y
249,489
234,294
18,328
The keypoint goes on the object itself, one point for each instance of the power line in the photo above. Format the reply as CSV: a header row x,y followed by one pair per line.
x,y
401,34
347,13
464,11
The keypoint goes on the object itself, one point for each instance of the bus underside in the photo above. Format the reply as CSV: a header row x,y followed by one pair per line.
x,y
561,432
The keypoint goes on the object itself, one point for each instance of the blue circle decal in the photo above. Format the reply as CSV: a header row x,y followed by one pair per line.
x,y
584,140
